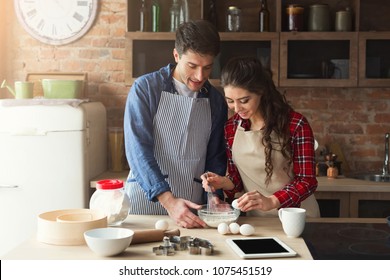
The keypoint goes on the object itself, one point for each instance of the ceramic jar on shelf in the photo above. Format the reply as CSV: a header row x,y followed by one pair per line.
x,y
319,17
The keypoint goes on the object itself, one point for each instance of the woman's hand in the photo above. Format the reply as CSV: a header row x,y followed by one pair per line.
x,y
254,200
213,180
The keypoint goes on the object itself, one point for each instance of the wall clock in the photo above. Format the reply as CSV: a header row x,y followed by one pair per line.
x,y
56,22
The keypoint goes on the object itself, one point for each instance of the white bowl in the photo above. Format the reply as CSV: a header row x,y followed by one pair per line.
x,y
108,242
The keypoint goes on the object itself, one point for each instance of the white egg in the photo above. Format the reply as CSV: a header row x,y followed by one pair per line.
x,y
234,228
161,224
247,229
223,228
235,204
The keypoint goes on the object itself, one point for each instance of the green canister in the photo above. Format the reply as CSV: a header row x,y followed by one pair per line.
x,y
343,20
319,18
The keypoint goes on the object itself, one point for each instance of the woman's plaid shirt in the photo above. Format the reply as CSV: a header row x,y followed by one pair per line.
x,y
304,182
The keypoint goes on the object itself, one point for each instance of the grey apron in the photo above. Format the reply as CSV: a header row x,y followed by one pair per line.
x,y
248,154
182,128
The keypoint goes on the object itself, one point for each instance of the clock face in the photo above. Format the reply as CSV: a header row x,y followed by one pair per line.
x,y
56,22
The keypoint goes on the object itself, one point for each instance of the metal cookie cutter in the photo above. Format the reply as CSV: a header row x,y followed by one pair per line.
x,y
166,249
201,246
180,243
195,246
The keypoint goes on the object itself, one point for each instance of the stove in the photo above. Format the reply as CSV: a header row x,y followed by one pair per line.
x,y
348,241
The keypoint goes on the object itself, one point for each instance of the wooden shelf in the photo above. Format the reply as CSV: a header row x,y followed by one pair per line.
x,y
148,51
302,55
286,51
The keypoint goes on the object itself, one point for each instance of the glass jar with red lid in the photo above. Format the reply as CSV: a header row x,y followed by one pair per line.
x,y
111,198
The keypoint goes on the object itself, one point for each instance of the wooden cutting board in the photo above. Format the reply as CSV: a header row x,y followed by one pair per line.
x,y
37,79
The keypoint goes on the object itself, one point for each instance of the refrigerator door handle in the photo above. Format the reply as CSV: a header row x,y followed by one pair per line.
x,y
8,186
28,131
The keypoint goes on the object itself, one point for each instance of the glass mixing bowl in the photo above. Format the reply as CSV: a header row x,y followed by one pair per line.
x,y
219,213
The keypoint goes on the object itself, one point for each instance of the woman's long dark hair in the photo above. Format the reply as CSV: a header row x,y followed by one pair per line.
x,y
249,74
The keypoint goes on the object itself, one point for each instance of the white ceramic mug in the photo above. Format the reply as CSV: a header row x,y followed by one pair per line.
x,y
293,221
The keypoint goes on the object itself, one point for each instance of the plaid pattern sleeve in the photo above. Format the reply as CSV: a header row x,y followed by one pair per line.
x,y
304,183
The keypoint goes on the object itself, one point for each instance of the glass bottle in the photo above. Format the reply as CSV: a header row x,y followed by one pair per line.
x,y
143,17
264,16
155,16
233,19
212,16
174,13
184,11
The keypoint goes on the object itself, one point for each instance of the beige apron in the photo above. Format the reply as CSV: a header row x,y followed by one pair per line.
x,y
249,157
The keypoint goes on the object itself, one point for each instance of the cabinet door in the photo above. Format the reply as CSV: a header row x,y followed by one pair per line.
x,y
374,58
333,204
318,59
370,204
264,46
147,52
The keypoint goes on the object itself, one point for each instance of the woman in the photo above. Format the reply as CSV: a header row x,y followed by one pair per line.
x,y
270,147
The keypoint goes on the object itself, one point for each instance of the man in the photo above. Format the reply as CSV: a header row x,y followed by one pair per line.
x,y
173,125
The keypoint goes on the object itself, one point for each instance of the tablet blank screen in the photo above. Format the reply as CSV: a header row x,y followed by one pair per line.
x,y
259,246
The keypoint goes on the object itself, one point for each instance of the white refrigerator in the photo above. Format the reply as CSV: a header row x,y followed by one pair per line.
x,y
48,155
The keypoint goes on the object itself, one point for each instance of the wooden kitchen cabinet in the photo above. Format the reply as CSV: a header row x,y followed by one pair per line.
x,y
149,51
305,59
354,204
374,43
295,58
369,205
333,204
353,198
374,59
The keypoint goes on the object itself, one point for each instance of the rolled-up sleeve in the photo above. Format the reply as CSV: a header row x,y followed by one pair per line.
x,y
141,107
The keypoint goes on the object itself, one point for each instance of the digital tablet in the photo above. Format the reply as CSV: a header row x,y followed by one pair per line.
x,y
260,247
